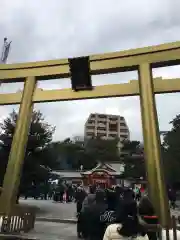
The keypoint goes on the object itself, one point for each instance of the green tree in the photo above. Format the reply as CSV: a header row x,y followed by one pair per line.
x,y
131,147
134,167
171,152
102,150
71,154
133,160
37,161
77,152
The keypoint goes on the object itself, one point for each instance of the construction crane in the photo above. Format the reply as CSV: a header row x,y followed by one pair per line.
x,y
5,51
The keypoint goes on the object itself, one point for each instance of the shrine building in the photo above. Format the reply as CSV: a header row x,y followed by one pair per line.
x,y
104,174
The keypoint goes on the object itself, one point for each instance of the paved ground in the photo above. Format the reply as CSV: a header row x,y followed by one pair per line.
x,y
54,231
50,209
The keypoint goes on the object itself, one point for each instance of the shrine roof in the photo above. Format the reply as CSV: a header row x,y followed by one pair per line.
x,y
117,166
67,174
113,168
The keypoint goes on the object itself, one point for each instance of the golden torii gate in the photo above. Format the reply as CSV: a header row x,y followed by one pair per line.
x,y
142,60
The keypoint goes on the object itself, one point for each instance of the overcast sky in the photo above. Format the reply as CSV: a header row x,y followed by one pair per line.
x,y
43,30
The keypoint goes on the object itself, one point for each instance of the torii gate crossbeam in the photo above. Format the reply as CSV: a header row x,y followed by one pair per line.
x,y
142,60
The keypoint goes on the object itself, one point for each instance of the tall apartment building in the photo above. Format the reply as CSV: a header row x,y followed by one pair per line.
x,y
106,127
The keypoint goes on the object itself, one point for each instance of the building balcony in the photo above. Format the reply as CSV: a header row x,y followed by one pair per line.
x,y
90,130
100,124
90,125
99,119
113,122
123,125
89,136
101,131
113,132
124,131
124,128
92,119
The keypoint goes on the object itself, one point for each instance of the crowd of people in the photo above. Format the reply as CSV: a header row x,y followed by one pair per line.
x,y
119,213
109,213
65,193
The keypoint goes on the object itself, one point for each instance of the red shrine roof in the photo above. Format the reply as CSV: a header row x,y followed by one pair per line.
x,y
111,169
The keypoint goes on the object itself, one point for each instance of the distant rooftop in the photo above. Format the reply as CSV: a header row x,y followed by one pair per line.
x,y
117,167
67,174
105,114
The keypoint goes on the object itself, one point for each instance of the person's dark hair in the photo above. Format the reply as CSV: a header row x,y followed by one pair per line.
x,y
146,207
128,218
111,200
92,189
100,196
128,194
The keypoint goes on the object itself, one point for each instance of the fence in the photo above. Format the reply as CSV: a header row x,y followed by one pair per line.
x,y
170,233
21,219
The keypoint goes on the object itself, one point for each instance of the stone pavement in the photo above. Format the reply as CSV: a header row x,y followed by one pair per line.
x,y
61,212
54,231
54,219
51,210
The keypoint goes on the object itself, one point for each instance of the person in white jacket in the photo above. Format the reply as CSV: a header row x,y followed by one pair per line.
x,y
113,233
127,224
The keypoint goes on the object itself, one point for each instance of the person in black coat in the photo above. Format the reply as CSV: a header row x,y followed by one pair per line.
x,y
147,213
79,197
172,197
111,199
92,216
